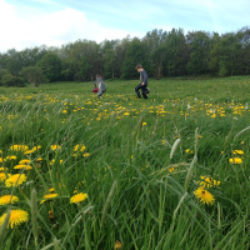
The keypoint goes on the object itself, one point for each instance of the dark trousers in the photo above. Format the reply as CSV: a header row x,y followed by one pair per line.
x,y
143,89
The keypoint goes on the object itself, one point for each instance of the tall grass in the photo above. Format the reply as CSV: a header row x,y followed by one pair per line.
x,y
139,179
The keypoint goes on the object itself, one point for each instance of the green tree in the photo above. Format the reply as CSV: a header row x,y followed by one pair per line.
x,y
155,42
199,50
51,66
136,53
176,53
33,75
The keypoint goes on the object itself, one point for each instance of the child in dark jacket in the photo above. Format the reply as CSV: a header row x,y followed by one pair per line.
x,y
143,86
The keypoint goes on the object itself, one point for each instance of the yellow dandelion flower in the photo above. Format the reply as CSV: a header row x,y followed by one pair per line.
x,y
10,158
208,182
29,152
189,151
22,166
238,152
1,160
77,198
55,147
19,148
204,196
118,245
3,177
49,197
76,147
17,217
86,155
39,159
170,170
144,124
35,148
163,142
65,111
51,190
126,114
83,147
3,169
15,180
235,160
24,162
8,199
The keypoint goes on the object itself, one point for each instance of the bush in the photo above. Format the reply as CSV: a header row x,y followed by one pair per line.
x,y
11,81
2,73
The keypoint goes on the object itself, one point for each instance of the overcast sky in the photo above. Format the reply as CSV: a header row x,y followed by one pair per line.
x,y
29,23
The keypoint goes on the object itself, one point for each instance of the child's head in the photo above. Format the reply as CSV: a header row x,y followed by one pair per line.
x,y
139,68
98,76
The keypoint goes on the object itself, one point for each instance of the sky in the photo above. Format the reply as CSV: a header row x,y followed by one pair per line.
x,y
30,23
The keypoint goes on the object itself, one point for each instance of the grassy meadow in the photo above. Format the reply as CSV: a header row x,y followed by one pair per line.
x,y
170,172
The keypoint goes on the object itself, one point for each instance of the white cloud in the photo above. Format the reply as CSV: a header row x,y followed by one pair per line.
x,y
22,30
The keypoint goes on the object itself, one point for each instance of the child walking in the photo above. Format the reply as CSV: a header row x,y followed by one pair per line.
x,y
100,85
143,86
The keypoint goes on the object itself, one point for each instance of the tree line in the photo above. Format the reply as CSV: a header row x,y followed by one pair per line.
x,y
162,53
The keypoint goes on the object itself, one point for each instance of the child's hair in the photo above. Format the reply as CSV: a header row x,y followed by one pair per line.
x,y
138,66
98,76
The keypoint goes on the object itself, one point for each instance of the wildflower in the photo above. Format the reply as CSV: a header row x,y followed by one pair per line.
x,y
22,166
132,157
86,155
51,190
77,198
3,169
10,158
238,152
3,177
19,148
29,152
39,159
76,147
24,162
8,199
55,147
126,114
17,217
204,196
189,151
144,124
79,147
1,151
15,180
65,111
83,147
170,170
1,160
118,245
52,162
49,197
235,160
163,142
35,148
208,182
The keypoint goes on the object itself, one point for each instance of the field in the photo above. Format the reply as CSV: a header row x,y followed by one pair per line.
x,y
170,172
